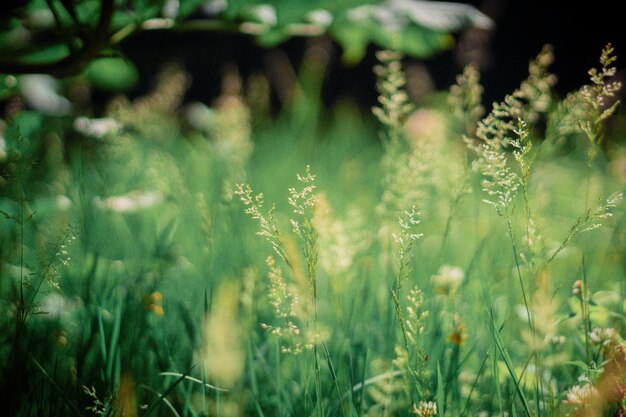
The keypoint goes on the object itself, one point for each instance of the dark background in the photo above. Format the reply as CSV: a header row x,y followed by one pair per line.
x,y
578,32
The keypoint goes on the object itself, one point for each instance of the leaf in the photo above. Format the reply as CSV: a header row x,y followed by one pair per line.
x,y
441,396
169,389
353,40
112,74
273,38
415,41
192,379
438,15
509,364
28,123
580,364
46,53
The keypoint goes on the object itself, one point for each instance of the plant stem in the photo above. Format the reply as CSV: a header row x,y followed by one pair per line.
x,y
584,304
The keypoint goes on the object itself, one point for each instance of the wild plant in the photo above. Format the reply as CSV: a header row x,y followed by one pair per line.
x,y
300,298
506,128
30,266
465,99
598,100
392,114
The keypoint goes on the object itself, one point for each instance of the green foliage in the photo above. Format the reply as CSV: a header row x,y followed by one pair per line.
x,y
135,282
62,37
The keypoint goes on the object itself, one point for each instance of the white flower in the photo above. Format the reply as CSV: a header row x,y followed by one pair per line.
x,y
62,202
266,14
40,92
129,203
448,279
425,409
320,17
96,128
580,396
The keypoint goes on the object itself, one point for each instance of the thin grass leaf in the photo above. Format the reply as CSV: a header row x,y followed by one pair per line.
x,y
253,381
441,396
103,338
509,364
165,400
333,375
376,378
62,393
169,389
192,379
113,365
474,383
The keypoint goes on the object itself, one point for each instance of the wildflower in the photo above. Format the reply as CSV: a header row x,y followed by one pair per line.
x,y
41,93
60,337
266,14
425,409
448,280
62,202
577,288
458,335
129,203
602,337
152,302
580,396
97,128
320,17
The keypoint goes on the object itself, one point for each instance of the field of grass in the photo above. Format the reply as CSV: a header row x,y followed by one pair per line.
x,y
185,260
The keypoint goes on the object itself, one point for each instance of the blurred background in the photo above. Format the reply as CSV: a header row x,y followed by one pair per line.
x,y
126,125
203,37
501,53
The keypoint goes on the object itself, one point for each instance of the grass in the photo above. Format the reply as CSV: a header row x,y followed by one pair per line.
x,y
463,264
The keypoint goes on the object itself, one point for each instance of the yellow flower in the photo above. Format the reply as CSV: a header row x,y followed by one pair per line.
x,y
152,302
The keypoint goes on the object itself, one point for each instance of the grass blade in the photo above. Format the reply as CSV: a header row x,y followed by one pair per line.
x,y
56,387
509,364
165,400
192,379
113,359
441,395
169,389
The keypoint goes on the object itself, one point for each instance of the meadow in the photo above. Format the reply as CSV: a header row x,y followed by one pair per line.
x,y
180,259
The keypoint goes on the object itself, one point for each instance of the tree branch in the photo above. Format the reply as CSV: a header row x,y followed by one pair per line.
x,y
75,61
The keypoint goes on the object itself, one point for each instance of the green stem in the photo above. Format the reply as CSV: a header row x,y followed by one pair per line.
x,y
519,276
584,304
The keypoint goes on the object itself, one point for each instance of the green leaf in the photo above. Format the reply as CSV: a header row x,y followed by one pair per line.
x,y
188,6
27,122
580,364
441,395
169,389
112,74
273,38
509,364
46,53
353,40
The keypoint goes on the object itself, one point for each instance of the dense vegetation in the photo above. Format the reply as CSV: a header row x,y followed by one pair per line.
x,y
172,258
